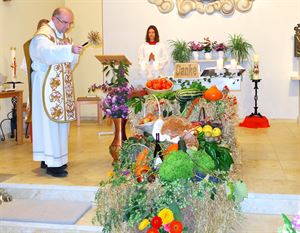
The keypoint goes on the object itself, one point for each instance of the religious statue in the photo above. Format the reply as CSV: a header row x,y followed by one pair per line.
x,y
297,41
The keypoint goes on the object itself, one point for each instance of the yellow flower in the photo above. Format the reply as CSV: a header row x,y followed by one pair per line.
x,y
144,224
166,215
110,174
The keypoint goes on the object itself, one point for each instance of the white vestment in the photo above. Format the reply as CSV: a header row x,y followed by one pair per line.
x,y
152,69
50,138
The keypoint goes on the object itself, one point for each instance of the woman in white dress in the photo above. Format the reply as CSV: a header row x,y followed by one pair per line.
x,y
153,55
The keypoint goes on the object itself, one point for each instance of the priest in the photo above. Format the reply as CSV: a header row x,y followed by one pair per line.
x,y
53,56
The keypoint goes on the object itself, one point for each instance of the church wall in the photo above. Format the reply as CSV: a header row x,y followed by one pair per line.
x,y
268,26
18,20
88,17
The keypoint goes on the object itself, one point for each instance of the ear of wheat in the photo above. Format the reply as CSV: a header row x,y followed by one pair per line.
x,y
94,38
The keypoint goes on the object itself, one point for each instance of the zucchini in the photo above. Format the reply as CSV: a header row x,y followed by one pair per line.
x,y
188,94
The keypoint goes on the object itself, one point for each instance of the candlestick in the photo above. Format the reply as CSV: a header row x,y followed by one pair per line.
x,y
13,65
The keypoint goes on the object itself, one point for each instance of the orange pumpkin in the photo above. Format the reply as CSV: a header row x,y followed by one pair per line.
x,y
212,94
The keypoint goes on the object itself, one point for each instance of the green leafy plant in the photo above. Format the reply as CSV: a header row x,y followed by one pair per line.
x,y
221,155
181,51
239,47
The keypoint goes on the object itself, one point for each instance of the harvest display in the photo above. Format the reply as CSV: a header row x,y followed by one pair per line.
x,y
177,173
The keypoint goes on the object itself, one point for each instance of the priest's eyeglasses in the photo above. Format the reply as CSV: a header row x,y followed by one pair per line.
x,y
64,22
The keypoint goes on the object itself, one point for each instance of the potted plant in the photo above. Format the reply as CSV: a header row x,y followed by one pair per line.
x,y
115,106
207,47
181,51
195,47
239,47
220,48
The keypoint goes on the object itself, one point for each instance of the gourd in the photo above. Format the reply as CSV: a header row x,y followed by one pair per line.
x,y
188,94
213,94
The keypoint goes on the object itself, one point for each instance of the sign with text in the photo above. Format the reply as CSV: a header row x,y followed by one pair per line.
x,y
186,70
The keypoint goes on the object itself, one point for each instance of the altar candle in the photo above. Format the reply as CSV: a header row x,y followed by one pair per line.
x,y
233,64
220,64
255,58
13,65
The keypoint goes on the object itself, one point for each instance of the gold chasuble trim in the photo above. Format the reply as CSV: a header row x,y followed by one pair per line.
x,y
58,87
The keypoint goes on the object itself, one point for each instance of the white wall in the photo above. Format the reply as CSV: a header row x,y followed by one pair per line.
x,y
87,17
268,26
18,20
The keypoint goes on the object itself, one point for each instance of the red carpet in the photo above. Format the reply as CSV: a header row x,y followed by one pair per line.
x,y
255,122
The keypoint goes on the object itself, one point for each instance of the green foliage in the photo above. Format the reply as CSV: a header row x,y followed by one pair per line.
x,y
117,73
137,102
181,51
177,165
287,227
203,162
239,47
221,155
240,191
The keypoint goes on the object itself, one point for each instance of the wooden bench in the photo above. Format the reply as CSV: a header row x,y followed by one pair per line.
x,y
89,100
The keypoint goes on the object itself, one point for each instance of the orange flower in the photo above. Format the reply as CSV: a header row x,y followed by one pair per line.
x,y
175,227
152,230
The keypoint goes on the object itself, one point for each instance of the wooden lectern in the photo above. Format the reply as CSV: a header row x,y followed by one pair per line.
x,y
107,59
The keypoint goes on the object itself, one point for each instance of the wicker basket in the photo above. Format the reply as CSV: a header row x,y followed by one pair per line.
x,y
148,127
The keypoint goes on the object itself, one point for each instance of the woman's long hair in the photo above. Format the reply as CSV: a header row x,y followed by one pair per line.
x,y
156,34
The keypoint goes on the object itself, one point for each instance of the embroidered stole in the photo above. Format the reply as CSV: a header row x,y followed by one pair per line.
x,y
58,89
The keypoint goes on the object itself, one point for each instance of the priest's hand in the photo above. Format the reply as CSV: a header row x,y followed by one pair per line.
x,y
76,49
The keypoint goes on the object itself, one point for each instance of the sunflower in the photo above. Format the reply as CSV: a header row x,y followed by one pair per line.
x,y
166,215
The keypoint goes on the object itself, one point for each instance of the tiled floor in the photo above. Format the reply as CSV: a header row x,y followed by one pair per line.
x,y
271,157
270,164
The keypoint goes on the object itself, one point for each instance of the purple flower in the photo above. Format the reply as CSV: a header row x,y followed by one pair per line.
x,y
114,104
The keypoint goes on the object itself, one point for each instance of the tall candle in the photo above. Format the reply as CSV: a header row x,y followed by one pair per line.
x,y
233,64
255,58
13,66
220,64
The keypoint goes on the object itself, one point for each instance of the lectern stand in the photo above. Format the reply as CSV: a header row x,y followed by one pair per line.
x,y
107,60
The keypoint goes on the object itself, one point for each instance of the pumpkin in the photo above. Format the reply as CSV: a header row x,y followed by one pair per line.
x,y
212,94
141,162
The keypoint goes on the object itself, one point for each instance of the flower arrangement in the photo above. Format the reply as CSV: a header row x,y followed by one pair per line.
x,y
118,90
195,46
163,222
208,45
219,47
